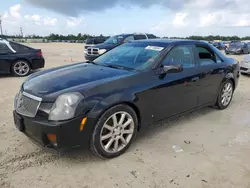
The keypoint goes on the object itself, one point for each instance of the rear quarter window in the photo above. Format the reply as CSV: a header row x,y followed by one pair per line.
x,y
20,48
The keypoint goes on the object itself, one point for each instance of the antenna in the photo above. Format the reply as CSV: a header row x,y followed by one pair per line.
x,y
1,25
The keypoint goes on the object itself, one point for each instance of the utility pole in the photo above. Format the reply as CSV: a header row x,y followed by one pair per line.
x,y
1,25
21,31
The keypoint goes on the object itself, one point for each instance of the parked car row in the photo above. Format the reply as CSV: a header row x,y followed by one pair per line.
x,y
233,47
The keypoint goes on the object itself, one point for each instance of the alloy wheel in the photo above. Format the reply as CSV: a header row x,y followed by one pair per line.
x,y
117,132
227,93
21,68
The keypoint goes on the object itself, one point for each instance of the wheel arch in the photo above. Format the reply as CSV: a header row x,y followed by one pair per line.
x,y
101,107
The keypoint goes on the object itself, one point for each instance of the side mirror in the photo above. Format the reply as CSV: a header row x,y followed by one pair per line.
x,y
171,69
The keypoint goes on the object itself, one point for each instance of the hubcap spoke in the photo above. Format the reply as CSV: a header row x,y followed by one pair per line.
x,y
123,140
116,144
114,120
128,131
122,119
110,142
108,127
127,123
105,137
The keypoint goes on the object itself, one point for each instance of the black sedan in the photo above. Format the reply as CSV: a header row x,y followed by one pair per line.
x,y
19,59
104,103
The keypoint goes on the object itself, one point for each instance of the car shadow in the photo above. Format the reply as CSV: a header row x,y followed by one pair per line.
x,y
85,155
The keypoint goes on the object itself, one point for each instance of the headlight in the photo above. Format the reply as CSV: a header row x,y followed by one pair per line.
x,y
102,51
85,51
65,106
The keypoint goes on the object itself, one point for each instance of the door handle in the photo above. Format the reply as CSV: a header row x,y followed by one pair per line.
x,y
195,79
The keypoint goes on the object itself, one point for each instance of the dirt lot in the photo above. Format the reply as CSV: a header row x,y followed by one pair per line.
x,y
216,147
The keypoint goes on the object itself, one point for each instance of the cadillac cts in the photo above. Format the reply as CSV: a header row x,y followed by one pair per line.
x,y
104,103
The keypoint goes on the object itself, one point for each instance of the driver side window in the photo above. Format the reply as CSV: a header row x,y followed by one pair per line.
x,y
129,38
180,55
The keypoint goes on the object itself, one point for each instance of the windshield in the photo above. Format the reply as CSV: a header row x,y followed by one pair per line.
x,y
130,56
216,43
115,39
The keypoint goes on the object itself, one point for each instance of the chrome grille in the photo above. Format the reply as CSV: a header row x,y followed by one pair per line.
x,y
93,51
27,104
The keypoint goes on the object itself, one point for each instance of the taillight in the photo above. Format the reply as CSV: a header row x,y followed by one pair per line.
x,y
40,54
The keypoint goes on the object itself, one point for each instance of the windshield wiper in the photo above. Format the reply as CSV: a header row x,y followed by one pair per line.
x,y
119,67
92,62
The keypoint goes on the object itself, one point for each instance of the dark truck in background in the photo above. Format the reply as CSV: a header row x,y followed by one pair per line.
x,y
94,51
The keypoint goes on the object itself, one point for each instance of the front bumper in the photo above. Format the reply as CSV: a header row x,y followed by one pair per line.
x,y
245,67
232,52
90,58
68,134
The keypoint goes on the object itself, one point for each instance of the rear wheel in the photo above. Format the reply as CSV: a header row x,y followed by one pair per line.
x,y
225,95
114,131
21,68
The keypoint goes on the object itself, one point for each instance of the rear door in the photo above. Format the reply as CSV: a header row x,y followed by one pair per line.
x,y
211,73
6,56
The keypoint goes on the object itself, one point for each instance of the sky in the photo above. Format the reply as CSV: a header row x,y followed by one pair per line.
x,y
109,17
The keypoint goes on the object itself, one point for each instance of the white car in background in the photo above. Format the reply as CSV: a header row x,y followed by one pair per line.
x,y
245,64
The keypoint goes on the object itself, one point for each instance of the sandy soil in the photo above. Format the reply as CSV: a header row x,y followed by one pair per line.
x,y
215,144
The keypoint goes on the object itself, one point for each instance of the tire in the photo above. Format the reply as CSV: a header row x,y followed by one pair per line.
x,y
223,103
20,68
106,148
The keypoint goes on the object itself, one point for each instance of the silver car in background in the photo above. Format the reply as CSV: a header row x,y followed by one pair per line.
x,y
245,64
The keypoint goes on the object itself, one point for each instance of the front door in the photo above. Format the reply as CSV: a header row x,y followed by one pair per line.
x,y
177,92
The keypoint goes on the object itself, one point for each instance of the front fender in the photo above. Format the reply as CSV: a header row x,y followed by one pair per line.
x,y
110,101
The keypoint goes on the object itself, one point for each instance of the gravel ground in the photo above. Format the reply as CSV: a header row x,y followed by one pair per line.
x,y
215,144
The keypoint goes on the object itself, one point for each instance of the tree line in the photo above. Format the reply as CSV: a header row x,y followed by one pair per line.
x,y
80,36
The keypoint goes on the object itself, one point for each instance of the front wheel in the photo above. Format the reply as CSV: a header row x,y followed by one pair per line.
x,y
225,95
114,131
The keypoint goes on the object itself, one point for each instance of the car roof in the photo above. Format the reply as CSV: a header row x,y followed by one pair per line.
x,y
166,42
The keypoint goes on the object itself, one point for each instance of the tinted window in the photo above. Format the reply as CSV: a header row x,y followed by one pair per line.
x,y
140,37
4,48
135,56
18,47
90,41
180,55
151,36
206,56
99,40
129,38
117,39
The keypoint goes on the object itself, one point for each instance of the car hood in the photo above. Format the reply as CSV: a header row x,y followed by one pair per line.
x,y
74,78
106,46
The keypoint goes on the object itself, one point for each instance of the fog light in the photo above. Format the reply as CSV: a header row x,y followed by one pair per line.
x,y
51,138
